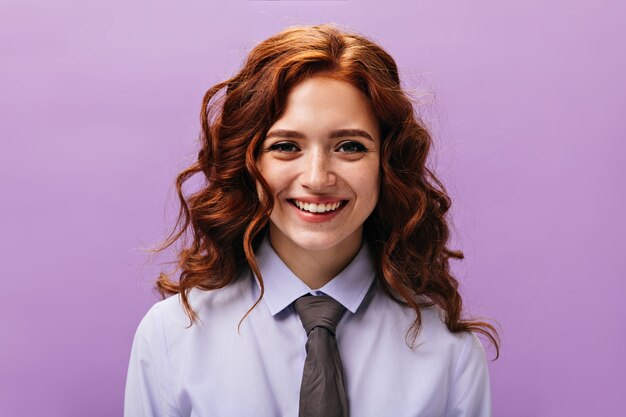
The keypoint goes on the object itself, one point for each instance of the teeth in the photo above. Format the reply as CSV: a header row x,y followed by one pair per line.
x,y
316,208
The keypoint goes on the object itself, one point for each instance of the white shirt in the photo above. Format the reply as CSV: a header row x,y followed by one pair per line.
x,y
209,369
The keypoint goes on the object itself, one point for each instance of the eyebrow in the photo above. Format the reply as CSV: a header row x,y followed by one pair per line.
x,y
339,133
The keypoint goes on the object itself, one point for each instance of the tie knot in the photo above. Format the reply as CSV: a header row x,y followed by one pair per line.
x,y
319,311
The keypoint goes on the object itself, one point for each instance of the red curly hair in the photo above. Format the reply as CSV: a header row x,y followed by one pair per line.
x,y
228,219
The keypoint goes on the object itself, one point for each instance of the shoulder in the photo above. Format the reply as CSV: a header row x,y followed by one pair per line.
x,y
434,333
169,315
461,345
467,366
469,393
433,336
470,389
149,335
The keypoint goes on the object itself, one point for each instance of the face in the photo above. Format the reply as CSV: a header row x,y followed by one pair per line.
x,y
325,148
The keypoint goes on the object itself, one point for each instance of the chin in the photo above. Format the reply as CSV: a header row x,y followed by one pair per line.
x,y
318,240
312,240
316,243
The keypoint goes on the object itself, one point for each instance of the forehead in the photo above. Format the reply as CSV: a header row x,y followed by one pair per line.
x,y
327,103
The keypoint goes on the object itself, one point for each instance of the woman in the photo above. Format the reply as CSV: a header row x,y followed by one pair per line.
x,y
316,184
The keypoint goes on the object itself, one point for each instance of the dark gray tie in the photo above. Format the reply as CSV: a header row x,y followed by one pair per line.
x,y
322,393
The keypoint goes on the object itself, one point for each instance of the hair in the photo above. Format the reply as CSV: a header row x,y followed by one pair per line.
x,y
227,217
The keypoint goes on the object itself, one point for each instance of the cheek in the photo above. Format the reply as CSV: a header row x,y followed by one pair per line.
x,y
277,175
265,170
370,186
259,188
274,178
375,189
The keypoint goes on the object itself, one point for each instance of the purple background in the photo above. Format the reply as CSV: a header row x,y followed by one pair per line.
x,y
100,104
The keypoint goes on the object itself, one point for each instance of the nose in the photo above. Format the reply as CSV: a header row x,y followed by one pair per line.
x,y
318,171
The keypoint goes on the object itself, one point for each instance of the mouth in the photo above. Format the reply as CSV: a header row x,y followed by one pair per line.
x,y
319,210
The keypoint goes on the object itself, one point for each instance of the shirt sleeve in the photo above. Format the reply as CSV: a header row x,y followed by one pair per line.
x,y
470,393
148,384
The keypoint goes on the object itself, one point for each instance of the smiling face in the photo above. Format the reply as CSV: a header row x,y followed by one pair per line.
x,y
325,148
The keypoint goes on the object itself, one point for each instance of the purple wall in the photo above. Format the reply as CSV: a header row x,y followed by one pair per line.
x,y
99,104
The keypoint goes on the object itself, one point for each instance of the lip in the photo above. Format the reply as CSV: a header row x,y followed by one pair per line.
x,y
318,200
317,217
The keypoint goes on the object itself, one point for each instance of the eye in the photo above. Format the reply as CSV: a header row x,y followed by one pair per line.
x,y
353,147
285,147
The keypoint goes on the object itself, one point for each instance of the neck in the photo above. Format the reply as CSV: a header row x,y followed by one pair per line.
x,y
315,267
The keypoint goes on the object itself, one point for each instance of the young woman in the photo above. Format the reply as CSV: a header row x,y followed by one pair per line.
x,y
316,184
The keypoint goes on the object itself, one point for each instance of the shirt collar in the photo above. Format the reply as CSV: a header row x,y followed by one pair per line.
x,y
282,286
